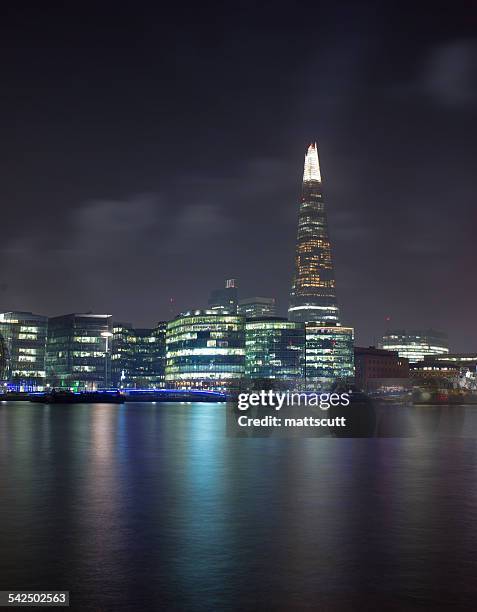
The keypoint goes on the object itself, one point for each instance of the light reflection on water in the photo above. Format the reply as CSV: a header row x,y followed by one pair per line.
x,y
153,502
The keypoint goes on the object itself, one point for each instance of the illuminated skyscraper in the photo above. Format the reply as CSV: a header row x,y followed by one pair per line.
x,y
313,295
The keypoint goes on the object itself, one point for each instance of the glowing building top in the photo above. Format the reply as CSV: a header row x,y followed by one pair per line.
x,y
313,290
311,170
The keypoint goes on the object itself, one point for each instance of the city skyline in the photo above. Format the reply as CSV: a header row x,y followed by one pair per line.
x,y
118,198
313,281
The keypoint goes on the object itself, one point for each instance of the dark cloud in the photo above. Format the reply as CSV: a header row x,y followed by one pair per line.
x,y
146,156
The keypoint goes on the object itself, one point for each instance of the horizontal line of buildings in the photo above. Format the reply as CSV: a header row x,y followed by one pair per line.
x,y
202,349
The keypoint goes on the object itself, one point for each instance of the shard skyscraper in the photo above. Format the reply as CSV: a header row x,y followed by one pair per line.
x,y
313,293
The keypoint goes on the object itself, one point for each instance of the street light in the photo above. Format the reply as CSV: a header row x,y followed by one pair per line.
x,y
106,335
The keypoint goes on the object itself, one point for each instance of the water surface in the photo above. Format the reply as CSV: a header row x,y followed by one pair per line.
x,y
152,507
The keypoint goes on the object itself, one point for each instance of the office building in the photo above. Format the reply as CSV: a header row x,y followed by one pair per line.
x,y
149,363
205,349
329,355
225,299
274,349
78,351
313,292
138,356
415,345
3,360
24,339
257,307
122,355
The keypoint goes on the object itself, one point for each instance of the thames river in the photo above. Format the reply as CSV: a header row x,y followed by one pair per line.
x,y
152,507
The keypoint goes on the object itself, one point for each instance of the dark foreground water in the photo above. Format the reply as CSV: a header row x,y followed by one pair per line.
x,y
152,507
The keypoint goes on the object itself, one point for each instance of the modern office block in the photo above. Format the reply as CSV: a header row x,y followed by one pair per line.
x,y
415,345
274,349
78,351
24,340
329,354
257,307
205,349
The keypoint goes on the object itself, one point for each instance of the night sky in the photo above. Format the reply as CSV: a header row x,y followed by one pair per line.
x,y
149,153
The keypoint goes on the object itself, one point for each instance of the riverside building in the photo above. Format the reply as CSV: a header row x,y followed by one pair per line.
x,y
78,351
329,346
24,340
149,364
205,349
138,356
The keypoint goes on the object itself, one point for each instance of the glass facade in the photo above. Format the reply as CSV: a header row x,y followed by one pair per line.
x,y
139,356
3,359
313,294
274,348
205,350
415,345
78,351
329,354
149,358
226,299
257,307
122,355
24,335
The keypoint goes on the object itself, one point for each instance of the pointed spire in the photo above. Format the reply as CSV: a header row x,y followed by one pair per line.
x,y
312,165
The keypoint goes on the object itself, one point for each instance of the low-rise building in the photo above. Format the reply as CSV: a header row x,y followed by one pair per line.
x,y
380,371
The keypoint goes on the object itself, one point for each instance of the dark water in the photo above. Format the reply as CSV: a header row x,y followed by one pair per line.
x,y
152,507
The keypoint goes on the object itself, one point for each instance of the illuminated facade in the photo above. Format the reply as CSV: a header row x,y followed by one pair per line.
x,y
451,370
415,345
274,348
149,365
24,335
78,351
205,349
313,294
122,355
329,354
257,307
3,359
138,358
